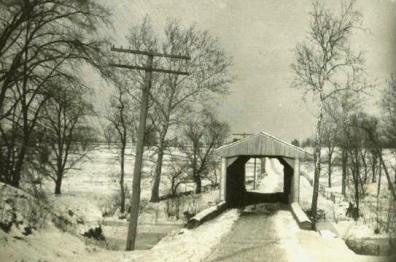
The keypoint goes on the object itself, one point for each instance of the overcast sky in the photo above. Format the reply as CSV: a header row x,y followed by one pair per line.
x,y
260,35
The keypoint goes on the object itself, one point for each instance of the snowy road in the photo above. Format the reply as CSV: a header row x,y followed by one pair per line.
x,y
253,238
272,235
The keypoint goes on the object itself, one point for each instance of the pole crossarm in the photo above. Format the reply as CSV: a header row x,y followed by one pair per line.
x,y
149,53
150,69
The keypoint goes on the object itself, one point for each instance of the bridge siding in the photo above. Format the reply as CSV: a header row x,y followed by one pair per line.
x,y
262,144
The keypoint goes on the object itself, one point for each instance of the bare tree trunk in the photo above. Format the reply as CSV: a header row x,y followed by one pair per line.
x,y
373,167
16,174
330,162
381,159
391,188
315,194
344,160
198,183
379,180
365,166
356,178
122,186
25,118
356,215
395,176
158,170
173,186
58,185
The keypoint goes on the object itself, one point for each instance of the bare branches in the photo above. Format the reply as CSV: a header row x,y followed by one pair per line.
x,y
42,42
66,136
327,68
171,95
326,56
200,137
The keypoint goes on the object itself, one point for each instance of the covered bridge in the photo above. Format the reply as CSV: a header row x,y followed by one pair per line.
x,y
262,145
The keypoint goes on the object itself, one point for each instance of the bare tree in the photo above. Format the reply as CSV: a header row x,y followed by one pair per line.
x,y
329,141
65,138
324,64
178,173
358,143
348,103
209,74
388,105
41,42
109,133
374,164
201,137
121,118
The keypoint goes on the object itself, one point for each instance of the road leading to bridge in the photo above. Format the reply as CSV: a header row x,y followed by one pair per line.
x,y
253,237
269,233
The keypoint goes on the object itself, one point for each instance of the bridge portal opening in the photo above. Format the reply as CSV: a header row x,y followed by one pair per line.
x,y
271,184
264,175
237,186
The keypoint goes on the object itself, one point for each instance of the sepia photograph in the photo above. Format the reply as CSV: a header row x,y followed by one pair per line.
x,y
197,131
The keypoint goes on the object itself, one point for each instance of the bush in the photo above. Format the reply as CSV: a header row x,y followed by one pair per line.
x,y
179,206
112,206
19,208
95,233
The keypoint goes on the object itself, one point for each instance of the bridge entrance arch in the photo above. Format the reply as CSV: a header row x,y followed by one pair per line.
x,y
263,145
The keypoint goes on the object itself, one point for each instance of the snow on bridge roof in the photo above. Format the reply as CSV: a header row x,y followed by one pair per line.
x,y
262,144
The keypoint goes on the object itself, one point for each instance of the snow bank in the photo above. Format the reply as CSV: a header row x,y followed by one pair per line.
x,y
189,245
302,245
302,219
324,204
20,209
287,229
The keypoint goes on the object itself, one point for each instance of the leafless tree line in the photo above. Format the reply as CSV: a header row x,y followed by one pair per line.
x,y
46,107
43,103
178,113
333,75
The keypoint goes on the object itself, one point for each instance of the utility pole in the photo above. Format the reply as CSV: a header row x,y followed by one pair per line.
x,y
137,170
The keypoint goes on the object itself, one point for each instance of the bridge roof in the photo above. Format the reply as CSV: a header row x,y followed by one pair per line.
x,y
262,144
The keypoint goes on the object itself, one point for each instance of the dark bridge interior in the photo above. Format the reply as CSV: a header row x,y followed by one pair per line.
x,y
236,193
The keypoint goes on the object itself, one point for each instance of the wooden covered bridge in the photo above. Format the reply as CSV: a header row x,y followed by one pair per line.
x,y
262,145
233,192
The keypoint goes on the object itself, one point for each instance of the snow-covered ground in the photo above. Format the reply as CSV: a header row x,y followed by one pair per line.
x,y
307,246
273,181
333,220
91,190
95,182
86,193
189,245
52,244
268,232
359,233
